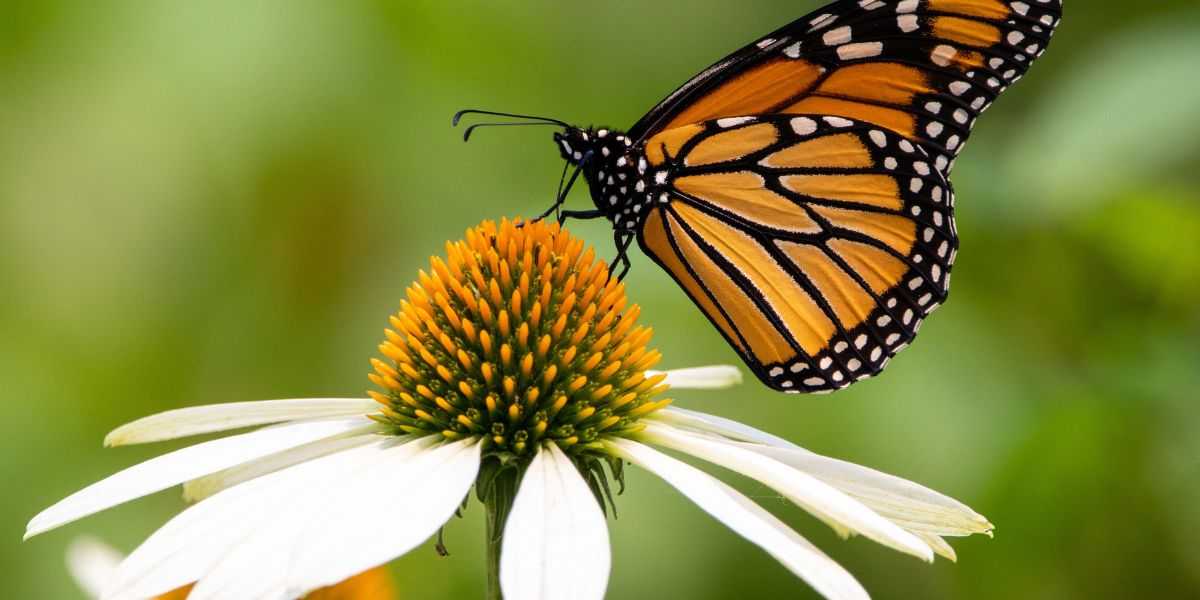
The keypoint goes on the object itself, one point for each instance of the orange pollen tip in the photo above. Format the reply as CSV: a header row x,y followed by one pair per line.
x,y
610,370
577,383
624,399
383,368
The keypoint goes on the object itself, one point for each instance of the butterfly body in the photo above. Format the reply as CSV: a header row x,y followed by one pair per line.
x,y
615,171
798,190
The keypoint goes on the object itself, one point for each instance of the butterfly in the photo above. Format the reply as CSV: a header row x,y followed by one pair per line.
x,y
798,190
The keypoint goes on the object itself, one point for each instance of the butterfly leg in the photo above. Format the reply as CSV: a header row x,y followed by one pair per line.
x,y
622,238
553,210
559,197
579,214
563,190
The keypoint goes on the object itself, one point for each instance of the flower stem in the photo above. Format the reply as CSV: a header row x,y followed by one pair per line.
x,y
496,487
494,530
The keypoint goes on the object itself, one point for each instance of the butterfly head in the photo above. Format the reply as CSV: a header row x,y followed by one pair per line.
x,y
576,145
591,146
608,161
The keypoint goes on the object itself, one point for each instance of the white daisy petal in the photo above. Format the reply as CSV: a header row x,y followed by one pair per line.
x,y
556,541
419,495
212,418
698,421
702,378
92,564
747,519
199,489
189,545
810,493
182,465
939,545
259,566
912,506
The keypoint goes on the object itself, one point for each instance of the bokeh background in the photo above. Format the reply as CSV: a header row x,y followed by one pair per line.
x,y
216,201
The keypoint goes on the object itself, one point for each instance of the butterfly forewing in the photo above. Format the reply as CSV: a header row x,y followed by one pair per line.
x,y
816,244
925,69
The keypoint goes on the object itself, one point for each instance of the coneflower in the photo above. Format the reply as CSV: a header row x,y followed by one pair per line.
x,y
517,368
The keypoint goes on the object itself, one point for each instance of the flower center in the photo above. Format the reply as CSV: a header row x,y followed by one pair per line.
x,y
518,336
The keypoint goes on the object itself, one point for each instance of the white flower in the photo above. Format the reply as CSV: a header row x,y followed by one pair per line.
x,y
289,508
516,368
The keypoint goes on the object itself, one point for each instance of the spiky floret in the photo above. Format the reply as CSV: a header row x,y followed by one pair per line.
x,y
518,336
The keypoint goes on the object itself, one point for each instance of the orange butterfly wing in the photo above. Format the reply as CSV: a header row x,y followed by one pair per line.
x,y
925,69
807,209
815,244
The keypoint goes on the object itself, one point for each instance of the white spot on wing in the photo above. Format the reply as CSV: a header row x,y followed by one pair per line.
x,y
860,50
804,126
943,54
733,121
837,37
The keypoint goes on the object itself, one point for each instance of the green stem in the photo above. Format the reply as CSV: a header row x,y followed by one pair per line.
x,y
494,538
497,487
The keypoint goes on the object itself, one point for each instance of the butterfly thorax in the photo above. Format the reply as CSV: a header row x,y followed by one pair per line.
x,y
615,171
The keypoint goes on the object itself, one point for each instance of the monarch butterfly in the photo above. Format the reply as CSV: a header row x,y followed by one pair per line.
x,y
798,189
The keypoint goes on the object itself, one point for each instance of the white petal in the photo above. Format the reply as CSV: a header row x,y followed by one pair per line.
x,y
810,493
383,513
92,564
259,566
910,505
556,541
747,519
192,543
715,377
183,465
698,421
234,415
939,545
199,489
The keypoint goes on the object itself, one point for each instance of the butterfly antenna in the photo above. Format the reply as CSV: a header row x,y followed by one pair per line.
x,y
471,111
471,129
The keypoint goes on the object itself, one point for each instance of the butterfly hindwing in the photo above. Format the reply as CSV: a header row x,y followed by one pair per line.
x,y
815,243
925,69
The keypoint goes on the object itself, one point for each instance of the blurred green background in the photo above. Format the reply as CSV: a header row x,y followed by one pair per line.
x,y
215,201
